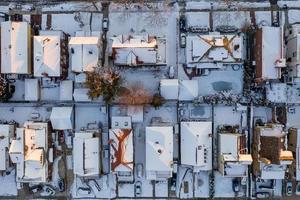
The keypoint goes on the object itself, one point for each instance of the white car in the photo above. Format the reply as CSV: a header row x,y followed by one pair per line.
x,y
105,24
139,169
182,40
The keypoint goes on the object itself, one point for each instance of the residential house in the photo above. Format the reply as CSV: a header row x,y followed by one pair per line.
x,y
86,154
15,48
121,148
196,145
7,132
270,157
31,151
84,53
159,152
214,50
269,53
137,50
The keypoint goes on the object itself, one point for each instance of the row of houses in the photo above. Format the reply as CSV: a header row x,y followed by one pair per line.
x,y
274,49
47,54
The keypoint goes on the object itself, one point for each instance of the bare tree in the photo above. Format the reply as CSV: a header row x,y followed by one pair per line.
x,y
135,94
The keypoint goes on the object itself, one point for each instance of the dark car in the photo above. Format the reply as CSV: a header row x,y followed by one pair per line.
x,y
236,185
182,24
61,185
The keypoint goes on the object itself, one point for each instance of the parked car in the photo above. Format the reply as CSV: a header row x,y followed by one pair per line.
x,y
236,185
182,24
139,169
171,72
49,191
84,191
227,29
36,188
61,185
182,40
105,24
138,188
262,195
199,29
298,188
289,189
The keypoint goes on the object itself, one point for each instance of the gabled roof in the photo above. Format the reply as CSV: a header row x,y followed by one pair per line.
x,y
121,149
47,56
86,154
15,51
84,53
195,143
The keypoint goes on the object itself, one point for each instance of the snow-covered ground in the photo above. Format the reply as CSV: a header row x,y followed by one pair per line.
x,y
8,185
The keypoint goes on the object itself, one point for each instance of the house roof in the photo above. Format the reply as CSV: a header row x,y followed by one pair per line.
x,y
84,53
188,90
6,133
121,149
29,152
135,49
46,56
15,49
271,51
81,94
169,88
61,118
195,139
159,148
214,48
86,154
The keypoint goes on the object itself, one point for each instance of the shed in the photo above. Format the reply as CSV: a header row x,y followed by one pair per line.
x,y
188,90
66,90
32,90
61,118
169,89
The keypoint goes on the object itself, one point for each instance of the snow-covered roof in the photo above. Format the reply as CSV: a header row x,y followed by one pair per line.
x,y
195,143
169,88
61,118
188,90
277,92
6,133
135,50
214,48
81,94
84,53
66,90
29,152
159,151
269,52
136,113
32,90
86,154
120,122
121,149
15,48
46,56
